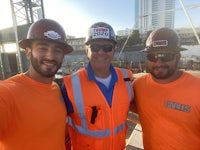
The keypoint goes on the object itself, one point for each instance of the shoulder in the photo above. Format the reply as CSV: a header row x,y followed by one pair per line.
x,y
138,78
11,82
15,78
141,76
7,88
123,71
80,74
192,77
56,84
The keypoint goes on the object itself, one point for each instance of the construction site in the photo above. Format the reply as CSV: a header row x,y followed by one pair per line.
x,y
26,12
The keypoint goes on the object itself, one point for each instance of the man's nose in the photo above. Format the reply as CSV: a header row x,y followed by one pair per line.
x,y
50,53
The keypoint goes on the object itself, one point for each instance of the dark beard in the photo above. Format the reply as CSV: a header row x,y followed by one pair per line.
x,y
48,73
169,73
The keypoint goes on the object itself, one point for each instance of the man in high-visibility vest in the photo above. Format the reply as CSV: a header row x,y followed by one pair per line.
x,y
98,96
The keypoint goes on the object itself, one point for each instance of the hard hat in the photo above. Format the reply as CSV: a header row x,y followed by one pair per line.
x,y
49,30
163,39
100,31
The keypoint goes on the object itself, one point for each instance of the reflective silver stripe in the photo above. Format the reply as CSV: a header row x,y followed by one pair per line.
x,y
80,108
92,133
119,128
76,86
78,98
128,84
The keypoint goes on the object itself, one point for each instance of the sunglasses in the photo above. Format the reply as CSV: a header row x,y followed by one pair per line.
x,y
106,48
164,57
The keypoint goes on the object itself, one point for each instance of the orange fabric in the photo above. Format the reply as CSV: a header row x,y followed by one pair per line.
x,y
169,113
32,115
67,139
107,117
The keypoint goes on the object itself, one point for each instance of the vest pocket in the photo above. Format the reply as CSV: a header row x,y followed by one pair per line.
x,y
95,118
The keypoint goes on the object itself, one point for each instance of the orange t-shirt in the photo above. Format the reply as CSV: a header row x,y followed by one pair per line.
x,y
32,115
169,113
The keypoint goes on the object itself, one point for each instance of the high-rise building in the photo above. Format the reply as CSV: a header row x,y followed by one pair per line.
x,y
154,14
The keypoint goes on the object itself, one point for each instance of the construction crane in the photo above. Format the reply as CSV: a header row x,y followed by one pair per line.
x,y
25,12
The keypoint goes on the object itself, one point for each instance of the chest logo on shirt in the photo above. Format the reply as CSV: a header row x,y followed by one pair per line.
x,y
177,106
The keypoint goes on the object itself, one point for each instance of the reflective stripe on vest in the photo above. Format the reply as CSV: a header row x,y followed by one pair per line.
x,y
85,131
128,85
80,108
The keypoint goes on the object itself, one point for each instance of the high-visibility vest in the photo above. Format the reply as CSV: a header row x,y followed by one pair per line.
x,y
94,125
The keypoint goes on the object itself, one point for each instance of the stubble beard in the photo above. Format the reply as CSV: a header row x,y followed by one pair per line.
x,y
45,73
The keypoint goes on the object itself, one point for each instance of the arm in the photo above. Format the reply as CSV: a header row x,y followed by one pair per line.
x,y
133,108
68,104
6,109
69,110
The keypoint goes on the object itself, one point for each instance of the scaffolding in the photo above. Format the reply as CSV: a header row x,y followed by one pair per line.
x,y
24,12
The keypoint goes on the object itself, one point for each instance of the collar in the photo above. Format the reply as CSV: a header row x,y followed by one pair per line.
x,y
92,77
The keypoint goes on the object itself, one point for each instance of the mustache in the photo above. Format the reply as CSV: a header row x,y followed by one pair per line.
x,y
162,66
50,61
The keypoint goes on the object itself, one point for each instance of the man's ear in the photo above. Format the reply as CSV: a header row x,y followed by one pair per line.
x,y
28,53
86,49
178,56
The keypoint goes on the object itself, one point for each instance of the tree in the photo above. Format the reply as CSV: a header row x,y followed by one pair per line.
x,y
130,41
134,38
146,36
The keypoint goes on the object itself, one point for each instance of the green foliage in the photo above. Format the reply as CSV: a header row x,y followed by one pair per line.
x,y
129,41
145,38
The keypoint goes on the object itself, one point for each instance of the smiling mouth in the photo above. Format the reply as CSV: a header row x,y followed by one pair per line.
x,y
49,64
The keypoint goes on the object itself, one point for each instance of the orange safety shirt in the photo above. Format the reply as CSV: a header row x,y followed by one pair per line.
x,y
32,115
169,113
94,125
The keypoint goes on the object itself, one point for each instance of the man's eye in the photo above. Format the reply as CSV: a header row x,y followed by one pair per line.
x,y
42,49
58,50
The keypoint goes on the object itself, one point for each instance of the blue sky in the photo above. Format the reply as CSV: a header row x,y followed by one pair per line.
x,y
77,15
118,13
80,14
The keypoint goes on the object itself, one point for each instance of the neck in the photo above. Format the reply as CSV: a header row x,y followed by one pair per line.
x,y
172,78
39,78
102,73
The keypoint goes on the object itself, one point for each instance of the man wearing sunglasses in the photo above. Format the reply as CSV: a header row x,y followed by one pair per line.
x,y
167,99
98,96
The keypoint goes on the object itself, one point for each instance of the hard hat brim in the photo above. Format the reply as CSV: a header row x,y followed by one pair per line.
x,y
99,39
157,49
26,43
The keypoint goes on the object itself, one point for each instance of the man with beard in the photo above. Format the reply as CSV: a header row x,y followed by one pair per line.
x,y
167,99
32,111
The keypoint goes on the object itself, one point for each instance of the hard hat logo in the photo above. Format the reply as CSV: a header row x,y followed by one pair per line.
x,y
163,38
100,32
160,43
46,29
52,35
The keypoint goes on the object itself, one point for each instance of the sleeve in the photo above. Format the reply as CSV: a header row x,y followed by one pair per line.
x,y
131,80
6,109
68,104
130,75
133,105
